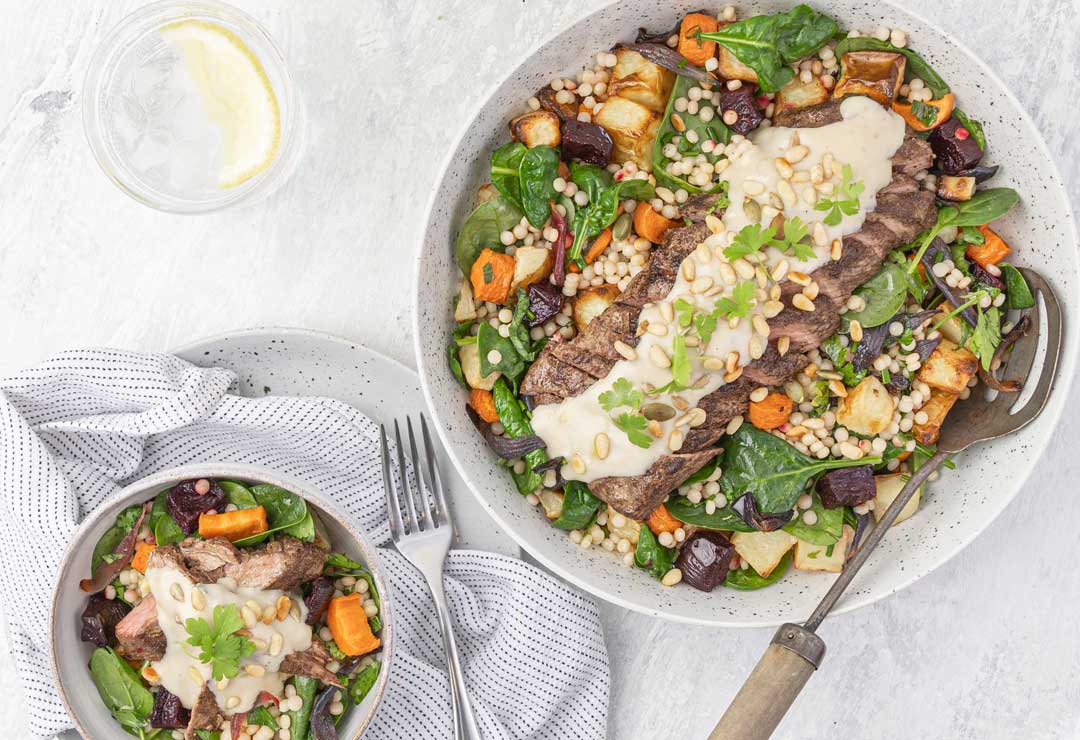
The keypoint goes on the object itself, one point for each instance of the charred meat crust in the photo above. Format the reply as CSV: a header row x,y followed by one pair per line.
x,y
903,210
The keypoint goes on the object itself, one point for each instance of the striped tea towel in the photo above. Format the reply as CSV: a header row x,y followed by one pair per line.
x,y
78,428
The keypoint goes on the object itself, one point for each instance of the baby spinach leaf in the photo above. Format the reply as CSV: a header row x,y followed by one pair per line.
x,y
579,507
714,130
974,128
261,716
916,65
121,690
749,580
363,682
299,720
702,474
514,421
1017,293
539,168
841,359
483,228
772,470
505,163
590,178
884,295
825,531
984,207
114,535
723,519
238,494
593,218
284,510
510,363
650,555
768,44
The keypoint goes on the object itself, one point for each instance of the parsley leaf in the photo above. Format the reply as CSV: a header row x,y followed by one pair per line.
x,y
220,647
680,363
845,201
987,336
795,231
740,303
750,239
622,393
634,426
705,325
684,310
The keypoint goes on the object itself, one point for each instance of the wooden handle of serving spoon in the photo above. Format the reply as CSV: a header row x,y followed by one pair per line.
x,y
786,666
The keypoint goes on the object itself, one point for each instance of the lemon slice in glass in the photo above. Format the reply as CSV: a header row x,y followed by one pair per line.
x,y
236,95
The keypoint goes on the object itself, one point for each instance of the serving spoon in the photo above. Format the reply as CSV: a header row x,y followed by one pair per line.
x,y
796,652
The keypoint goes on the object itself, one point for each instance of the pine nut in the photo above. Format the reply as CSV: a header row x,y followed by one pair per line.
x,y
802,303
677,122
255,670
811,291
810,370
776,202
796,154
657,328
783,168
734,424
697,417
680,403
689,270
799,278
667,311
284,605
744,269
624,349
259,643
675,441
758,394
702,254
787,193
176,591
837,250
232,702
714,224
761,326
757,346
733,375
269,614
727,274
671,578
150,674
817,174
783,344
248,616
701,285
659,357
713,363
276,643
809,195
731,361
198,599
602,445
655,429
194,675
771,308
856,331
753,187
837,388
223,684
577,464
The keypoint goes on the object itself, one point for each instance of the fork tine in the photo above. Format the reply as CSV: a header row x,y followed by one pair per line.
x,y
433,471
421,481
393,507
403,476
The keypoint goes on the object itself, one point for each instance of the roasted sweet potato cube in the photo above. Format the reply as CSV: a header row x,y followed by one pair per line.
x,y
633,129
955,187
592,302
936,408
798,94
636,78
537,128
949,368
730,68
876,74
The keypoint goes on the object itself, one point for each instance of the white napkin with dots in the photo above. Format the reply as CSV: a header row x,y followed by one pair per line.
x,y
78,428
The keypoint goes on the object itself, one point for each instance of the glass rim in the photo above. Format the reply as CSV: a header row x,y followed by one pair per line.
x,y
149,18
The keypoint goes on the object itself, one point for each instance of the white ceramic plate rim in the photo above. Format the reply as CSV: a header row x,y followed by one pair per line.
x,y
1050,416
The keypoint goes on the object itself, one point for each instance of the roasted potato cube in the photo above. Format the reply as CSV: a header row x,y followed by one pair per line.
x,y
469,355
763,550
936,408
817,557
531,265
953,328
592,302
465,308
624,526
537,128
876,74
955,187
485,193
633,129
636,78
949,368
552,503
867,408
888,488
730,68
798,94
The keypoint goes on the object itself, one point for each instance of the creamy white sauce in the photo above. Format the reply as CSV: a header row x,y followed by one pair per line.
x,y
865,139
175,668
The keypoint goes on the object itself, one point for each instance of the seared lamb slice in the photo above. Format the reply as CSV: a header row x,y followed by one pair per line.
x,y
697,207
638,496
658,278
205,715
813,116
138,635
720,406
593,350
207,558
772,368
807,329
282,564
311,663
549,376
168,556
913,156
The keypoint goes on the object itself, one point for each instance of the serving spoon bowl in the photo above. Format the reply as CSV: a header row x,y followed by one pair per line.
x,y
796,652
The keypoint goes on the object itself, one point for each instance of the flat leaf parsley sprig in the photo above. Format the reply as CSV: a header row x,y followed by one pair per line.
x,y
219,644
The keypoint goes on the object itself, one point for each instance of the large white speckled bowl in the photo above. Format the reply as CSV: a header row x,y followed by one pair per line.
x,y
955,510
70,656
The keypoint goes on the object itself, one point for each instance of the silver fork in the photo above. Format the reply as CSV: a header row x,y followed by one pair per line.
x,y
422,535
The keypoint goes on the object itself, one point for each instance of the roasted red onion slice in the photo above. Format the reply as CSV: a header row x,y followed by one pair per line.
x,y
746,507
109,571
508,448
938,248
1023,326
558,272
322,723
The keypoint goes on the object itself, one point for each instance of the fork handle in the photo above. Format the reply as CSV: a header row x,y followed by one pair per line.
x,y
465,725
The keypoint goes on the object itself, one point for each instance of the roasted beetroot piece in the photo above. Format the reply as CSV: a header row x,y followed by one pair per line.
x,y
745,106
99,620
589,142
955,149
545,302
168,713
322,723
847,487
704,559
746,507
982,173
981,275
318,600
185,502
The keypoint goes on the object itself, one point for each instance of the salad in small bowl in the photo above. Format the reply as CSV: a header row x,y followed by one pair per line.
x,y
215,602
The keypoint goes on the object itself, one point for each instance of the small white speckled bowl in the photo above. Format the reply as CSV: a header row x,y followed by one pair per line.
x,y
1041,229
70,655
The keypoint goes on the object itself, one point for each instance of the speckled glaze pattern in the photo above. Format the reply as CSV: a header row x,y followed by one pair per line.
x,y
988,476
